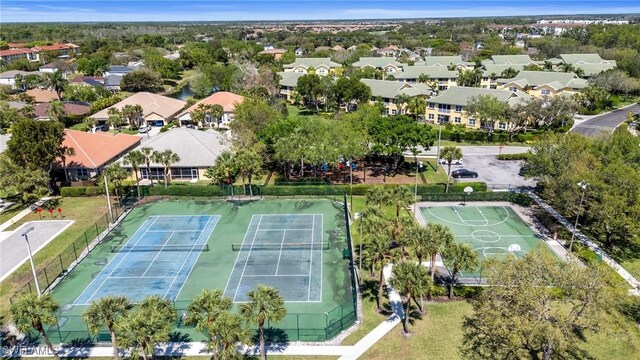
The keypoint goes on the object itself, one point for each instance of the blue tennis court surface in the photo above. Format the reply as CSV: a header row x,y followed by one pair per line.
x,y
283,251
156,260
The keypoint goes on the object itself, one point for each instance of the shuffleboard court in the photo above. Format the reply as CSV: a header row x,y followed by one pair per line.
x,y
492,231
13,249
280,250
156,260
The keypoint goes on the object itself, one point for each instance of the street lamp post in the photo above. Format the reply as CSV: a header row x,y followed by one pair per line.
x,y
583,184
438,151
33,267
359,216
106,188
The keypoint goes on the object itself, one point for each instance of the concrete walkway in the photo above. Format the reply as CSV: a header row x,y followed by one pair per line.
x,y
635,284
5,225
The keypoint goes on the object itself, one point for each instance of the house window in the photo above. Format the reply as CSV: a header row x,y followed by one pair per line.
x,y
512,88
472,122
394,111
443,119
545,91
458,108
82,173
432,106
442,87
156,173
184,173
431,117
502,126
457,120
403,111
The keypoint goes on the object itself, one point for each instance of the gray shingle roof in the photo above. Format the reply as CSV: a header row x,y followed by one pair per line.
x,y
556,80
289,79
595,69
498,69
443,60
11,74
512,59
196,148
459,95
582,58
377,62
312,62
434,72
390,89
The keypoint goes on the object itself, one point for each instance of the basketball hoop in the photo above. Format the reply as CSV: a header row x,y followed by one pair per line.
x,y
467,190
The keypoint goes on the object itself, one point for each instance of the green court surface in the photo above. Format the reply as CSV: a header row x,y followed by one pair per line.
x,y
493,231
177,248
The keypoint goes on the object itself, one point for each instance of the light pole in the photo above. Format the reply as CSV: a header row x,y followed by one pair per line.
x,y
359,216
350,163
106,188
438,152
33,267
583,184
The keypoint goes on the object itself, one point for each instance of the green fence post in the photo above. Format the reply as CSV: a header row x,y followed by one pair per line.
x,y
61,264
75,253
46,276
298,325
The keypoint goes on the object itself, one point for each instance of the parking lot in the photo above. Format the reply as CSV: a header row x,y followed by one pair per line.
x,y
496,173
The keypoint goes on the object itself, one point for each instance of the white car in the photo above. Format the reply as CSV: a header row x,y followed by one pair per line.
x,y
454,162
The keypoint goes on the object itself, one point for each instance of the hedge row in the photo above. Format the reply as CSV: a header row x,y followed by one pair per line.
x,y
284,190
520,156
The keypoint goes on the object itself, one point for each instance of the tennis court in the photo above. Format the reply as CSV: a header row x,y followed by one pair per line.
x,y
283,251
492,231
156,260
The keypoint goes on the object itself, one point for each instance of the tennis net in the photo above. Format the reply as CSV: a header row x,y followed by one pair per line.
x,y
288,246
158,248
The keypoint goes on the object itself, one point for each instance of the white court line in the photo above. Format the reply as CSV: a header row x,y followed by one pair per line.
x,y
238,256
428,208
247,260
284,233
283,229
186,257
321,253
118,265
164,231
139,277
287,215
158,254
311,256
276,275
484,217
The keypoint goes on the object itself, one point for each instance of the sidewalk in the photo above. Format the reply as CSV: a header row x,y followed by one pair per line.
x,y
5,225
635,284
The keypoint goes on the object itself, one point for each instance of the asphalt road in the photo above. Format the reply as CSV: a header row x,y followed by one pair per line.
x,y
498,174
607,122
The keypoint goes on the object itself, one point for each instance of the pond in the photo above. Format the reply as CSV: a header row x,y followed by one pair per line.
x,y
183,93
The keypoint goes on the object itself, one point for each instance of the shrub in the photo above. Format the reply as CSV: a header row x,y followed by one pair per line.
x,y
520,156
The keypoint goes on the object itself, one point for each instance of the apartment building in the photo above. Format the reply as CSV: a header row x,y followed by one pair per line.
x,y
450,105
387,92
543,83
386,64
318,66
441,75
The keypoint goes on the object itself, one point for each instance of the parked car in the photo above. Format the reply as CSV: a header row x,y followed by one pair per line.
x,y
464,173
454,162
100,128
144,129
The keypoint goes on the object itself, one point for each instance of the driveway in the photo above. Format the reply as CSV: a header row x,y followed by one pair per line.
x,y
606,122
498,174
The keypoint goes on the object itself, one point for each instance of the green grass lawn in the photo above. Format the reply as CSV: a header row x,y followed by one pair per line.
x,y
84,210
11,212
632,266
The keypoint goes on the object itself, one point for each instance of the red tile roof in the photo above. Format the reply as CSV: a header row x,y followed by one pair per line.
x,y
225,99
15,52
54,47
17,45
40,110
95,150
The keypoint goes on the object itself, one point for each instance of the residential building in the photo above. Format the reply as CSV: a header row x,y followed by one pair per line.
x,y
92,152
71,108
590,64
7,56
387,91
299,52
64,50
112,82
386,64
450,105
227,100
543,83
66,67
510,60
157,110
42,95
287,84
197,150
320,66
445,61
441,75
276,53
119,70
389,51
9,77
87,81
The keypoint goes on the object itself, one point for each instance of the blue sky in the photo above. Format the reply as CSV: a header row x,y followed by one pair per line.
x,y
217,10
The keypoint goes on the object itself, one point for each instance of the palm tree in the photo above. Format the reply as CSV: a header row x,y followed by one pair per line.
x,y
450,153
420,238
459,257
401,101
509,73
55,81
265,304
116,175
148,152
566,67
217,111
439,239
115,118
401,197
377,196
248,162
64,151
417,105
56,110
224,170
166,158
134,158
209,313
409,279
372,222
35,311
107,311
132,114
148,324
380,252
